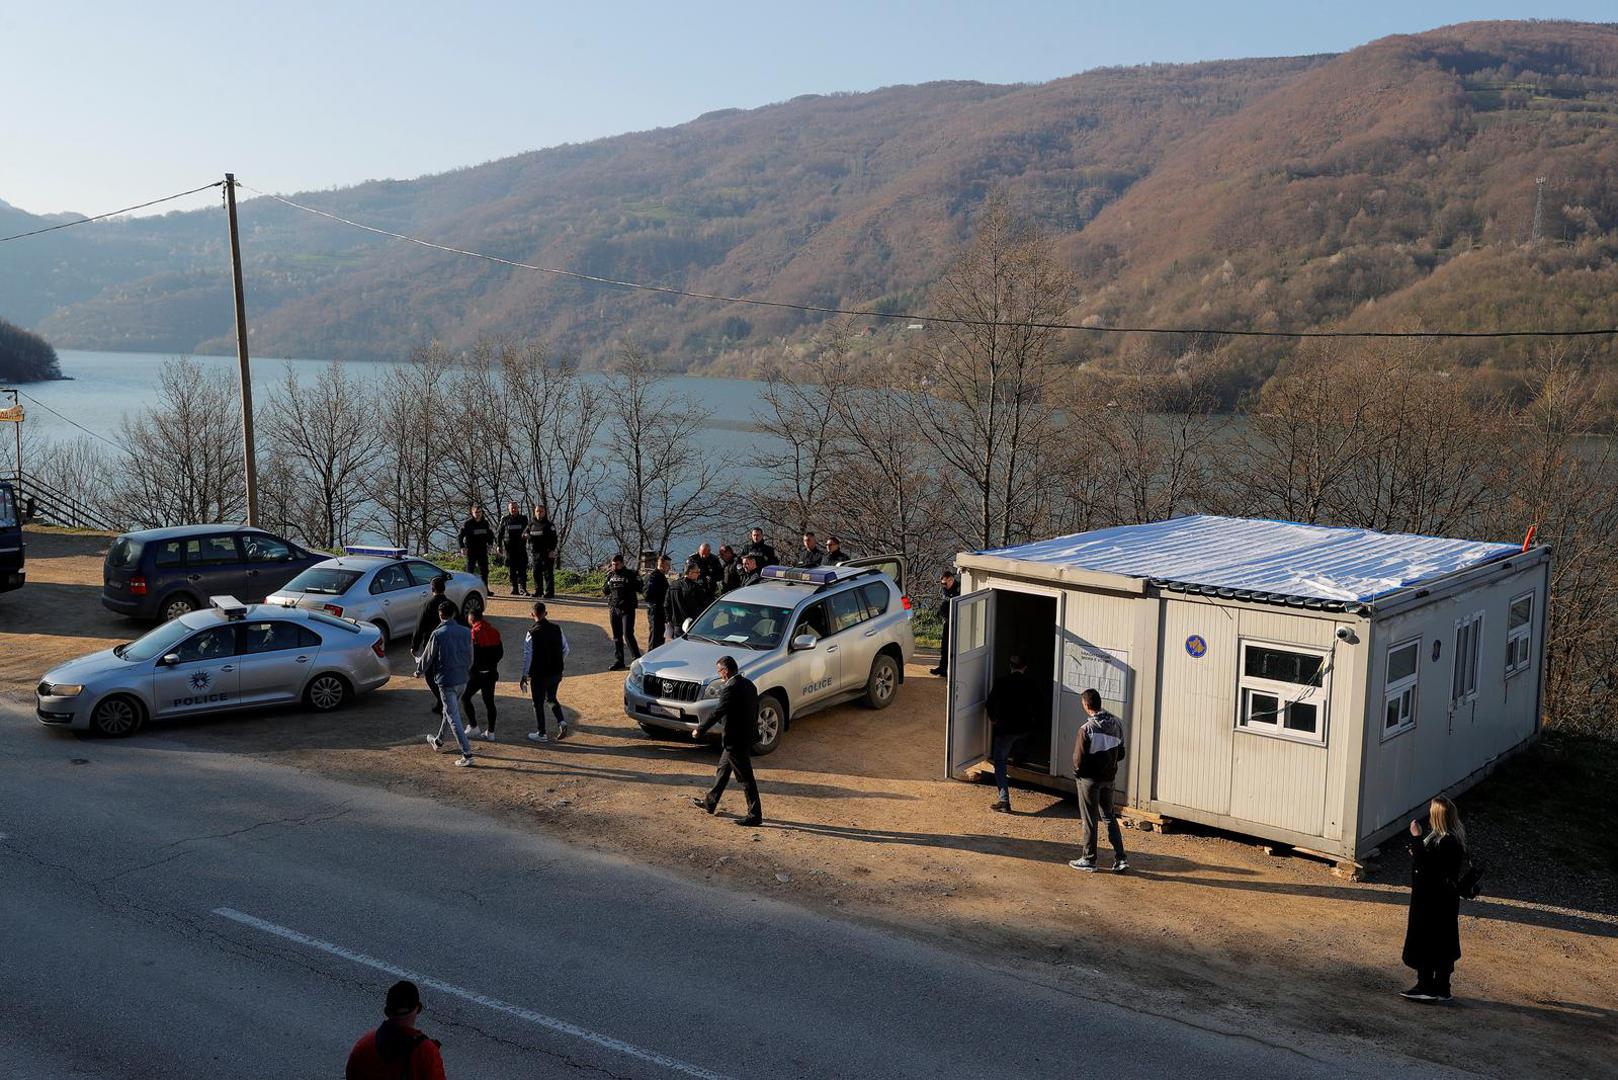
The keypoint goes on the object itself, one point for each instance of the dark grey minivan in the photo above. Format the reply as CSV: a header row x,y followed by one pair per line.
x,y
164,573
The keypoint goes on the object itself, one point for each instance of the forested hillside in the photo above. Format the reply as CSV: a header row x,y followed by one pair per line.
x,y
25,357
1393,186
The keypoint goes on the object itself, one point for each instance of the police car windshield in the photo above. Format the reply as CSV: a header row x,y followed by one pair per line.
x,y
325,580
155,644
751,626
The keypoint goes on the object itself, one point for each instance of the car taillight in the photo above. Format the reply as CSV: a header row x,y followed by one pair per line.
x,y
332,609
380,649
137,585
906,601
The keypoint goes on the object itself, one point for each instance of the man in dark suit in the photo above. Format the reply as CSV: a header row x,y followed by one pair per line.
x,y
738,708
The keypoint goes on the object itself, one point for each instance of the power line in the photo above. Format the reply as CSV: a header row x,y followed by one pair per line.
x,y
71,422
112,213
669,290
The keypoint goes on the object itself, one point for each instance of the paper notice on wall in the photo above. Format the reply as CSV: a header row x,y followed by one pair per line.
x,y
1086,667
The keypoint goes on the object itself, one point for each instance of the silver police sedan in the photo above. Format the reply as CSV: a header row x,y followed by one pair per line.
x,y
230,656
380,586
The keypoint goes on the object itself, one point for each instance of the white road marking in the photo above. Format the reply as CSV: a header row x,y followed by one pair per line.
x,y
606,1042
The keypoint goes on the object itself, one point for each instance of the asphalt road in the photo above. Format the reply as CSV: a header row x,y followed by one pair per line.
x,y
172,912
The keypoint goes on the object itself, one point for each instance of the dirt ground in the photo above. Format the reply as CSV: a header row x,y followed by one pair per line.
x,y
860,822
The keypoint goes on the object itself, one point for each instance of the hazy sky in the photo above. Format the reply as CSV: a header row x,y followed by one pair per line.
x,y
105,104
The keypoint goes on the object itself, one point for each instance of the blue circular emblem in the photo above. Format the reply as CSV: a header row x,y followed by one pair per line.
x,y
1196,646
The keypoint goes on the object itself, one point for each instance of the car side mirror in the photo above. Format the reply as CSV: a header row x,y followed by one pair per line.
x,y
170,659
804,642
685,627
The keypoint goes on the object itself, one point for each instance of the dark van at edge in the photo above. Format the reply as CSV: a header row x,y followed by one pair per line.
x,y
164,573
12,574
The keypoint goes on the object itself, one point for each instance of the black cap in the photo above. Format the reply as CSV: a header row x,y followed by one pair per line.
x,y
403,999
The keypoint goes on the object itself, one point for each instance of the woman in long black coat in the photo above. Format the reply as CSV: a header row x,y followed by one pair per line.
x,y
1433,934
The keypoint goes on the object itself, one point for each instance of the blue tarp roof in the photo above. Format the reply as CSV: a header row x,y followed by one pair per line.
x,y
1278,559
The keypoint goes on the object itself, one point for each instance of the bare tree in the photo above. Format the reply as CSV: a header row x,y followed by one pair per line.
x,y
184,455
1159,432
801,412
409,487
662,480
329,438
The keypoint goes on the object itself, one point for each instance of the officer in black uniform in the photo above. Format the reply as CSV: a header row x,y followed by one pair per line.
x,y
708,564
688,599
811,556
750,571
474,539
835,555
542,543
657,600
731,578
952,589
512,529
756,547
622,590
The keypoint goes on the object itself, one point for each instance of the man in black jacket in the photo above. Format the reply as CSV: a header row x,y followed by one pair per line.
x,y
657,600
542,543
1011,719
731,578
474,539
738,710
712,570
622,590
756,547
688,599
835,555
952,589
811,556
513,529
544,649
750,571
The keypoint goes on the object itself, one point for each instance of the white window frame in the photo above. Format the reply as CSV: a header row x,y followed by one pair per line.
x,y
1318,696
1468,651
1394,690
1523,634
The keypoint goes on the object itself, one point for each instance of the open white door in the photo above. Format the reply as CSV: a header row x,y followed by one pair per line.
x,y
971,640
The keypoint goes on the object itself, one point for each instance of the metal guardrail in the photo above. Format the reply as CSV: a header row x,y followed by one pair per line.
x,y
40,501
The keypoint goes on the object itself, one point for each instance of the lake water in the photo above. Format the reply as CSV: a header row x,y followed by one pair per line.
x,y
105,387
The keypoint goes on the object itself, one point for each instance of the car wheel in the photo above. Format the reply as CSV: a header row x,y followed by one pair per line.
x,y
383,627
772,723
473,602
883,683
177,605
116,716
326,692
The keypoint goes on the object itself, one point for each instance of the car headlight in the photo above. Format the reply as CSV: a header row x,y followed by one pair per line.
x,y
712,689
635,673
63,689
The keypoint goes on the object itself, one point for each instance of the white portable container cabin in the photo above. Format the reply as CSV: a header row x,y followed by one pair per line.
x,y
1312,686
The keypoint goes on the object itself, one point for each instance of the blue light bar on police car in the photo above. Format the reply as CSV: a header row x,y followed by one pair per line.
x,y
376,550
821,575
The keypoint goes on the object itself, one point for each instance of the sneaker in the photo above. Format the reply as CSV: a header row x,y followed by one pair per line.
x,y
1120,865
474,732
435,742
487,736
1417,993
561,731
464,760
1001,806
537,736
1441,994
1083,864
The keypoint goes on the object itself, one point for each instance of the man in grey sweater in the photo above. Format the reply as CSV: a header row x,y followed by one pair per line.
x,y
447,662
1096,754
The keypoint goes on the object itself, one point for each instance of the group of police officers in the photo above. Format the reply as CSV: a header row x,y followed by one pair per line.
x,y
524,542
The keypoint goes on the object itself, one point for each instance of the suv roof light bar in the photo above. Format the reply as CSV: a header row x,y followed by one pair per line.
x,y
228,606
376,550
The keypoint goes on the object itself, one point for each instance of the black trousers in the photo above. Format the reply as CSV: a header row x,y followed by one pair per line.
x,y
544,577
517,563
741,763
479,682
660,625
477,562
943,646
623,629
544,688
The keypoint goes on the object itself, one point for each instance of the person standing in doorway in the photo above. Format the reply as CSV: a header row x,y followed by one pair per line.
x,y
835,555
738,710
759,549
474,539
396,1048
513,530
447,661
688,599
1096,754
657,600
623,590
952,589
487,652
426,623
811,556
1011,717
544,648
1433,931
542,545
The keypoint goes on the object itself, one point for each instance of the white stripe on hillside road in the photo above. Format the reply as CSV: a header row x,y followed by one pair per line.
x,y
606,1042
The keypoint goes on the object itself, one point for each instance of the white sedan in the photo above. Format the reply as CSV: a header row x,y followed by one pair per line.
x,y
380,586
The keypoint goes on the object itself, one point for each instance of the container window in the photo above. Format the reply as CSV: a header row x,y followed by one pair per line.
x,y
1404,665
1520,636
1283,692
1468,641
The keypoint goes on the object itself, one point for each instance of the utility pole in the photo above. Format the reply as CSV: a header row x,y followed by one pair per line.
x,y
1539,211
250,458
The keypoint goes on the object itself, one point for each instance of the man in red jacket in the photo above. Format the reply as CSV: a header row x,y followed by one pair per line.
x,y
396,1048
